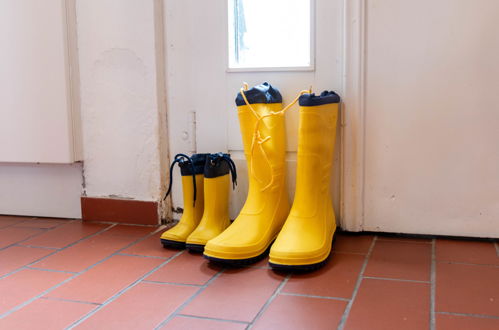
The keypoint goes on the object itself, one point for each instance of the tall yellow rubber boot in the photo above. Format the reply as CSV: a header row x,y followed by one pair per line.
x,y
305,240
215,218
191,169
248,238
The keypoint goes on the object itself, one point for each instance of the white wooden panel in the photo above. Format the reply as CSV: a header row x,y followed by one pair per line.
x,y
45,190
432,117
35,112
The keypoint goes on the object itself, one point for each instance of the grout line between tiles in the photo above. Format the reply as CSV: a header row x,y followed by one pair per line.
x,y
70,300
433,277
121,292
58,250
464,263
402,240
346,313
395,279
188,301
211,318
36,247
18,307
269,301
172,283
50,270
41,231
140,256
312,296
482,316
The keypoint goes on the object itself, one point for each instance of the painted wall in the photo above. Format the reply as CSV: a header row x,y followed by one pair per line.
x,y
119,100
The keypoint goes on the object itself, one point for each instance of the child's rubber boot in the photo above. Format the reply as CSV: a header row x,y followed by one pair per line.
x,y
248,238
191,169
305,240
215,218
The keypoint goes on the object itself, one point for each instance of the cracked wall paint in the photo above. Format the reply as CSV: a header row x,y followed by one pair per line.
x,y
118,98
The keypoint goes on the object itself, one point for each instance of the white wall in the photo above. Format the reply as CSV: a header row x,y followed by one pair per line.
x,y
119,100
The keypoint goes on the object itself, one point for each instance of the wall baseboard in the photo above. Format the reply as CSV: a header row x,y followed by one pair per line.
x,y
120,210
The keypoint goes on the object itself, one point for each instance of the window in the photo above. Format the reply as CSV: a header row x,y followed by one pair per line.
x,y
270,34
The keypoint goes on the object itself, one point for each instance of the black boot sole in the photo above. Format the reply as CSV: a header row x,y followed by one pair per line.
x,y
195,248
169,244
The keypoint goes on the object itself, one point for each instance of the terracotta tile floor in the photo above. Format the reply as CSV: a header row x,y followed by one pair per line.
x,y
57,274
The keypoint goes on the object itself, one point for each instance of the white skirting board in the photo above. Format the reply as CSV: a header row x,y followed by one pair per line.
x,y
45,190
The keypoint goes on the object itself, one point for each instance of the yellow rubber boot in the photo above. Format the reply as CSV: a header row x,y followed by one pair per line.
x,y
305,240
215,218
248,238
191,169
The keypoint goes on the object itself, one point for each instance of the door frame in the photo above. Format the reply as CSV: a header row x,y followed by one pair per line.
x,y
353,117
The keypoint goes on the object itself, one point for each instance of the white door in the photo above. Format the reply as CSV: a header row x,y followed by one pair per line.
x,y
38,120
425,117
199,82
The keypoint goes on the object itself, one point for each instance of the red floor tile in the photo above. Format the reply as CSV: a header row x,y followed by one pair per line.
x,y
106,279
292,312
26,284
400,260
144,306
16,257
65,234
186,269
467,289
45,314
191,323
42,223
86,253
352,243
455,322
336,279
7,220
466,251
386,304
130,230
11,235
235,295
151,246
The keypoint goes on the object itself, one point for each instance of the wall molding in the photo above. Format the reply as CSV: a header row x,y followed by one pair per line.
x,y
353,117
120,210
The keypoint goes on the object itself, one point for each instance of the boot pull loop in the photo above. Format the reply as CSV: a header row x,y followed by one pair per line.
x,y
258,139
180,159
232,168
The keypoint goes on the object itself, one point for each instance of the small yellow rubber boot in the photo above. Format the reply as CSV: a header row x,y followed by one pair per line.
x,y
305,240
249,237
191,169
215,218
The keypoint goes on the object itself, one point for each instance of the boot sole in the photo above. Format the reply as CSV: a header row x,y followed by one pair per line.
x,y
238,262
169,244
298,268
303,268
195,248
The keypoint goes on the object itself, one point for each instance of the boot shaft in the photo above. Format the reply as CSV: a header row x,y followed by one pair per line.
x,y
263,135
316,140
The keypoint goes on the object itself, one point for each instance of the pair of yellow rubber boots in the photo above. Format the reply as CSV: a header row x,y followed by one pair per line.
x,y
301,237
205,185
